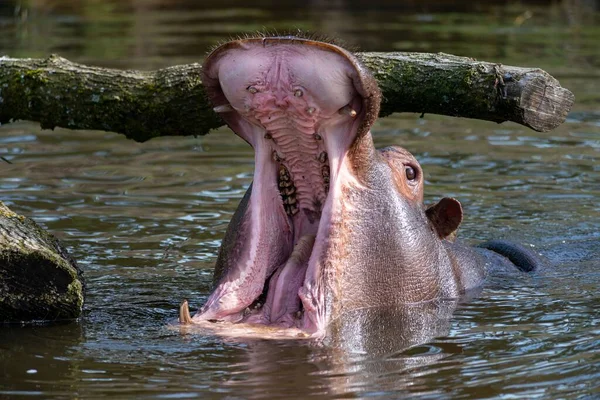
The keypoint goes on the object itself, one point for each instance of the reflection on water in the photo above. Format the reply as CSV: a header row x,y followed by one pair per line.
x,y
145,220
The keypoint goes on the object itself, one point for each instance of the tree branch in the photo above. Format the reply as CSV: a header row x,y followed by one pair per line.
x,y
172,101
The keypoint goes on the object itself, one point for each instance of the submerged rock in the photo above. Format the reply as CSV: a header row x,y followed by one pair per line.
x,y
39,281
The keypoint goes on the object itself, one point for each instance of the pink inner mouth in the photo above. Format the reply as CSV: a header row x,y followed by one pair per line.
x,y
297,106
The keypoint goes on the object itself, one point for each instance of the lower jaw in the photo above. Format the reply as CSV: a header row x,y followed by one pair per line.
x,y
288,305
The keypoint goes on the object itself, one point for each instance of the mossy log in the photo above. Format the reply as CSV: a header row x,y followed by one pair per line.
x,y
39,281
172,101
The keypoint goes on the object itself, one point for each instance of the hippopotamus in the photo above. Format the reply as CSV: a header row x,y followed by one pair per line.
x,y
330,224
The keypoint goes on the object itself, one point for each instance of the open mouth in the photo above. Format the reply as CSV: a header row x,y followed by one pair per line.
x,y
300,104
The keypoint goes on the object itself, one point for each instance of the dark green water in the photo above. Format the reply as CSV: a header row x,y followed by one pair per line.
x,y
145,220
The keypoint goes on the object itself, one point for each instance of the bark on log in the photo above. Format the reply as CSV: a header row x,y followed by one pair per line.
x,y
172,101
39,281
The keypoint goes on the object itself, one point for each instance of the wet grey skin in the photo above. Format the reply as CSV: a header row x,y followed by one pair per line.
x,y
330,225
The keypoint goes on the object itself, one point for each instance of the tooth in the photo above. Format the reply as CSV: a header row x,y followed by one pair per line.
x,y
310,110
298,93
317,136
276,157
325,171
268,136
347,110
252,89
223,108
184,313
322,157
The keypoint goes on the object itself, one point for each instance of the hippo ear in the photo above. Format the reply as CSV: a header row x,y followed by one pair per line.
x,y
445,216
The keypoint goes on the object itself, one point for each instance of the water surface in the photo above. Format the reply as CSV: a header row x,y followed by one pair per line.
x,y
145,220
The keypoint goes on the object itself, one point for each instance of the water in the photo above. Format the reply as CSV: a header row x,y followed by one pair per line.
x,y
145,220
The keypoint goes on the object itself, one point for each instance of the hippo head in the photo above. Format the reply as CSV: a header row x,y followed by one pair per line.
x,y
329,224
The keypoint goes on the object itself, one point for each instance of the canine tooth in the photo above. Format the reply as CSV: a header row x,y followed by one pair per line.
x,y
184,313
347,110
223,108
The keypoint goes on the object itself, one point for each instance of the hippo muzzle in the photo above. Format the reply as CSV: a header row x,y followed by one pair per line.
x,y
329,223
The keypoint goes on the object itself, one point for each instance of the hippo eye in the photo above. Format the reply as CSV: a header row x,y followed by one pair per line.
x,y
411,174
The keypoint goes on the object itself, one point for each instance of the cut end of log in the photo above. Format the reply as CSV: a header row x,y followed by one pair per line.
x,y
545,104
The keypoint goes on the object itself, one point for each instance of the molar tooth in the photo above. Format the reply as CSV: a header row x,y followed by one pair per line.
x,y
276,157
325,171
298,93
223,108
317,136
347,110
268,136
252,89
310,110
322,157
294,210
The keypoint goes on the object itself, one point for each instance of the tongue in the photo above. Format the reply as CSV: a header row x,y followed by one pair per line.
x,y
282,302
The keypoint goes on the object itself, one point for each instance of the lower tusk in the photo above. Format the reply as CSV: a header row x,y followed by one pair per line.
x,y
347,110
184,313
223,108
